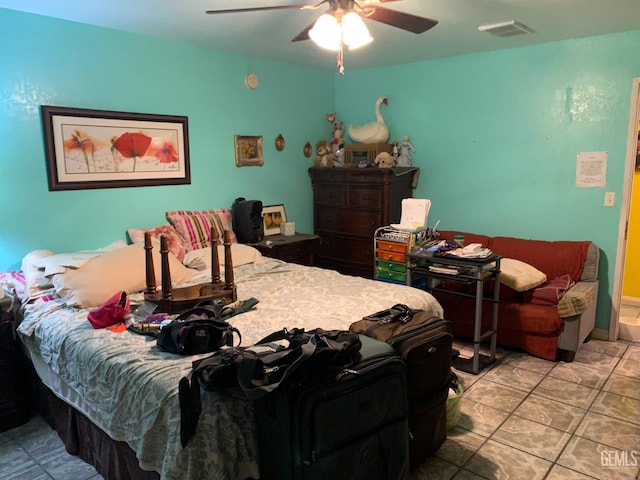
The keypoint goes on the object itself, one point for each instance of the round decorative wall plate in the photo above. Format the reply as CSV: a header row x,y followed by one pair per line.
x,y
280,143
251,80
307,150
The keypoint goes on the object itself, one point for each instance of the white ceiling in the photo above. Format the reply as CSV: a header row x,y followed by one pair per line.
x,y
268,34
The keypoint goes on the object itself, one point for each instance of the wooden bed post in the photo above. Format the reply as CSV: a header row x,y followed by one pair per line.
x,y
215,261
166,274
148,258
228,262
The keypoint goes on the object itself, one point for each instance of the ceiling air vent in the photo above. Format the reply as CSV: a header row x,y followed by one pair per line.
x,y
506,29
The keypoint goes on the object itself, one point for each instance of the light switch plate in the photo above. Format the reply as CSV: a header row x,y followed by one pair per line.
x,y
609,199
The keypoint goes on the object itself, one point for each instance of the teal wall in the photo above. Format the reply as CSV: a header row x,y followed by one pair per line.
x,y
496,136
47,61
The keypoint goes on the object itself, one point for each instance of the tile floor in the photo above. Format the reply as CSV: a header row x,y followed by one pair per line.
x,y
523,418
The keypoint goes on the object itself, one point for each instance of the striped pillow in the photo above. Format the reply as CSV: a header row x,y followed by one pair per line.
x,y
194,226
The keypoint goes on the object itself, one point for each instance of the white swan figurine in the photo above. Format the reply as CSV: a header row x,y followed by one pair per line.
x,y
374,132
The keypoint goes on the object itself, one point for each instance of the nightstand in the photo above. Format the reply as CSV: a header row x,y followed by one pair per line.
x,y
299,248
14,406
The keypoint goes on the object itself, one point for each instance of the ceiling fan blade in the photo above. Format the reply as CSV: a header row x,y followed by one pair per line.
x,y
405,21
304,34
273,7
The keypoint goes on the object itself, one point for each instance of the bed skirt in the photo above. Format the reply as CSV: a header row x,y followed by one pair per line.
x,y
112,459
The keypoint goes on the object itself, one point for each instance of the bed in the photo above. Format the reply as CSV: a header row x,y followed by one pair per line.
x,y
120,391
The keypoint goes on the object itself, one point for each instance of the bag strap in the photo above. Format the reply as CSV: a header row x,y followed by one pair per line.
x,y
190,407
398,313
268,366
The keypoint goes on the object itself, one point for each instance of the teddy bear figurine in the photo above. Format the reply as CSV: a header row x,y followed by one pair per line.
x,y
324,155
384,160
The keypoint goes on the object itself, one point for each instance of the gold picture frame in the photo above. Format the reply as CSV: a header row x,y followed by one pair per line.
x,y
248,150
272,217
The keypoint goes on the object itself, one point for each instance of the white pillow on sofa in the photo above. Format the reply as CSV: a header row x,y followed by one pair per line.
x,y
520,275
123,269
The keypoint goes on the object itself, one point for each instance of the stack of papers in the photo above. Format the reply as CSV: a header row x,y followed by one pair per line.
x,y
415,213
459,252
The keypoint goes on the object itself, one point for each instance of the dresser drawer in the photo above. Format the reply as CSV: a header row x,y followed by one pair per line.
x,y
360,223
353,250
400,277
362,196
329,194
390,256
385,266
391,246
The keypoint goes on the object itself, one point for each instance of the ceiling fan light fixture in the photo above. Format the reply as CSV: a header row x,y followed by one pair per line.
x,y
355,33
326,32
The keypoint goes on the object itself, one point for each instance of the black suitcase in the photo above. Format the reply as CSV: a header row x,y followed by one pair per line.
x,y
425,344
350,425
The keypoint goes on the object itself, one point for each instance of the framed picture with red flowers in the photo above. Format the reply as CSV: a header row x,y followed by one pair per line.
x,y
105,149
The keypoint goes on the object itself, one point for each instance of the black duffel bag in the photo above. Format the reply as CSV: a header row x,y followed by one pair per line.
x,y
195,331
252,372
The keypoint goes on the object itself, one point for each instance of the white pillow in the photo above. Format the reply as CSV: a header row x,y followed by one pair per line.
x,y
123,269
520,275
34,276
59,262
241,254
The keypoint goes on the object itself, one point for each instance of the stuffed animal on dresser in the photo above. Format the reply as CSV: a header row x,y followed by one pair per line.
x,y
324,155
384,160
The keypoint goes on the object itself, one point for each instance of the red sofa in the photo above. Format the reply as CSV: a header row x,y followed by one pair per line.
x,y
552,331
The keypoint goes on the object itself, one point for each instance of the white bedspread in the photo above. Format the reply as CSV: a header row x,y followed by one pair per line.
x,y
127,387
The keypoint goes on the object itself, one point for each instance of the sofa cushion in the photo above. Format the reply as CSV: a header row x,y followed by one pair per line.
x,y
555,258
519,275
551,292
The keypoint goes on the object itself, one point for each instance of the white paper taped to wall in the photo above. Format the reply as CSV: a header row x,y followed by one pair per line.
x,y
415,213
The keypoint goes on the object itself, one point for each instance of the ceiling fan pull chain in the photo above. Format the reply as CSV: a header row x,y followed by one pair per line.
x,y
340,60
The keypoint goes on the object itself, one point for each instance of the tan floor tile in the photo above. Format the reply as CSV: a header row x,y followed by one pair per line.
x,y
497,461
633,352
580,373
596,360
512,376
479,418
629,367
549,412
591,458
532,437
558,472
622,385
535,364
460,445
617,406
434,468
614,349
466,475
609,431
495,395
567,392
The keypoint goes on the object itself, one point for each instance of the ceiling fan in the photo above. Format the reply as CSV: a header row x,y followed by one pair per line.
x,y
342,23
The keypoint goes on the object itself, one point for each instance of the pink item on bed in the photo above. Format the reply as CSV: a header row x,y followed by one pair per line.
x,y
110,312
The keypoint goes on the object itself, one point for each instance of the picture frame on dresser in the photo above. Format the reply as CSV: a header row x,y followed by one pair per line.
x,y
272,217
87,149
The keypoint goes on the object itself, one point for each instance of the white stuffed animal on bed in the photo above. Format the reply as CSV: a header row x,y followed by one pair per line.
x,y
384,160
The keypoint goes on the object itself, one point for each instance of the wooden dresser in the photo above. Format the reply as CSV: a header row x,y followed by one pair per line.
x,y
349,204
